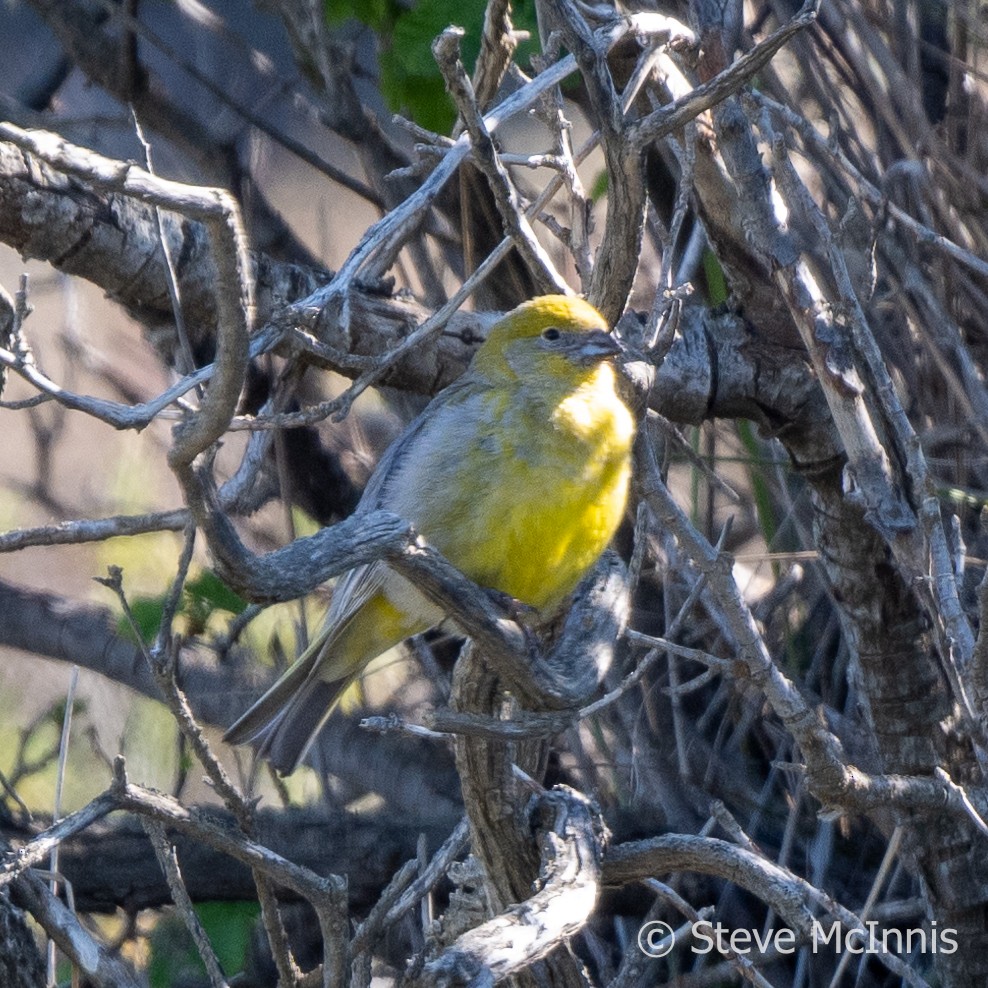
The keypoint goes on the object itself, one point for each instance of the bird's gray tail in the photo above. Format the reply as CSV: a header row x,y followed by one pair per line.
x,y
284,722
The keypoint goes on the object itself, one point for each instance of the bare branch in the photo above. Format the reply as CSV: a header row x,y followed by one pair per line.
x,y
670,118
101,967
789,895
219,212
834,782
446,49
390,909
571,839
168,859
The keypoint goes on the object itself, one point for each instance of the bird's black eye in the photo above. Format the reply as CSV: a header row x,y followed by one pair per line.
x,y
551,334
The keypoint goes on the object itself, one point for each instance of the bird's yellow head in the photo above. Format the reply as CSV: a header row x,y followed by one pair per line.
x,y
552,337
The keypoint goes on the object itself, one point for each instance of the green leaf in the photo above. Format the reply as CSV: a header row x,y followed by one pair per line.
x,y
376,14
208,588
147,612
228,926
716,282
174,957
422,98
599,188
205,595
410,79
764,503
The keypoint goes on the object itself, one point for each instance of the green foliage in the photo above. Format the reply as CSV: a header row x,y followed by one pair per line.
x,y
376,14
173,954
410,79
716,282
147,612
764,502
204,595
599,187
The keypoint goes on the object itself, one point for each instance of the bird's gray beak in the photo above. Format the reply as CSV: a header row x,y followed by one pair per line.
x,y
597,345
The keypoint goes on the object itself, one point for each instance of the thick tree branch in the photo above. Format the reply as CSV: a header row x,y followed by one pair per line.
x,y
110,865
571,837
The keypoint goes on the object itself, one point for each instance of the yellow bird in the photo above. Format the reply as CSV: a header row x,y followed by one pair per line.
x,y
517,472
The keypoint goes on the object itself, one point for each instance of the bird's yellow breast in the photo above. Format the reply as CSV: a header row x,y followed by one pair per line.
x,y
549,486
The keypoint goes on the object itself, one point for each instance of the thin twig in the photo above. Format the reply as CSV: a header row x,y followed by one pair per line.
x,y
446,49
167,857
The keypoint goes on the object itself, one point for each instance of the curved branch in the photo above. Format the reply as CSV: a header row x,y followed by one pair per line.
x,y
218,211
571,839
788,894
638,860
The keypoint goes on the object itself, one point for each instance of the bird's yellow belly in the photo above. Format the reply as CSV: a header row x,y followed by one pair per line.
x,y
547,528
543,566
